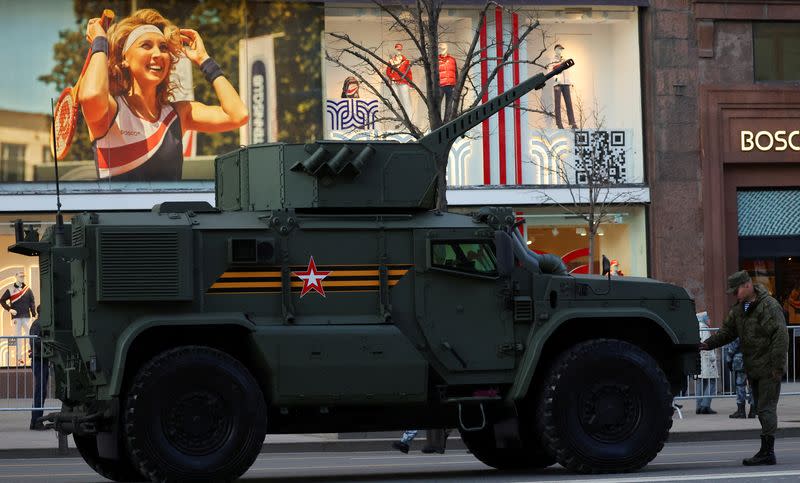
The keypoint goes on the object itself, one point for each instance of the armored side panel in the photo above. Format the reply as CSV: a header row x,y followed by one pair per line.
x,y
327,175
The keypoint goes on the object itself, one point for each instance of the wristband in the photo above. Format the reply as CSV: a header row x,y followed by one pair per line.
x,y
211,70
100,44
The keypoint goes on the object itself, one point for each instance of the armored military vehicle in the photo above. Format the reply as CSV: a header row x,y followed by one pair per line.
x,y
324,293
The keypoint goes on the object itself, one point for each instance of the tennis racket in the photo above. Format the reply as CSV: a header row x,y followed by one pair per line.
x,y
66,110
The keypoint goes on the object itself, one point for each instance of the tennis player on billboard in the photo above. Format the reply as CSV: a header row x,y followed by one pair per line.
x,y
124,96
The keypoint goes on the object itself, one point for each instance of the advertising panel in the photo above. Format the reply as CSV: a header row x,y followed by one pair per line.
x,y
161,93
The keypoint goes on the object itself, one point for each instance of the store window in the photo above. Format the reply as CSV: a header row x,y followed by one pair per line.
x,y
590,116
12,162
776,51
621,238
469,257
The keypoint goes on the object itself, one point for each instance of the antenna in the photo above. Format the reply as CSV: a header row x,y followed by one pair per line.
x,y
59,229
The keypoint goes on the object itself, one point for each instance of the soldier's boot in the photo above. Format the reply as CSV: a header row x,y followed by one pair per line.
x,y
765,456
753,411
739,414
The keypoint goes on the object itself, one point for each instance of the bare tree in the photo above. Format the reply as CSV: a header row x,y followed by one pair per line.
x,y
418,23
594,185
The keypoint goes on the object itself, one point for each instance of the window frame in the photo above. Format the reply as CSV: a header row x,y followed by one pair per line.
x,y
485,243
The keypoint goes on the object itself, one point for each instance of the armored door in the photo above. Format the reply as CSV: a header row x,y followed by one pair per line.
x,y
462,307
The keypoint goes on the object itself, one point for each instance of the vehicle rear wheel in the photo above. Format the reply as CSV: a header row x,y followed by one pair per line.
x,y
114,470
194,413
605,407
483,446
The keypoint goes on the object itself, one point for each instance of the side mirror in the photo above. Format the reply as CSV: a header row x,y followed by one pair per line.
x,y
504,252
606,266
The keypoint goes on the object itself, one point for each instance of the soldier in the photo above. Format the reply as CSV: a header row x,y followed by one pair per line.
x,y
757,319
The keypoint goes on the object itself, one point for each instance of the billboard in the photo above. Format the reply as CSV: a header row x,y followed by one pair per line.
x,y
160,103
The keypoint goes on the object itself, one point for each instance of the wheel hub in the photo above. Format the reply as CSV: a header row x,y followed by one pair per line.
x,y
196,423
609,412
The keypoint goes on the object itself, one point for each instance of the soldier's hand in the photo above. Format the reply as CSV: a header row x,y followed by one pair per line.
x,y
13,312
702,346
777,374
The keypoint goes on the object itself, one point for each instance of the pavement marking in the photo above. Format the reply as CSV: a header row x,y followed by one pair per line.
x,y
399,456
42,475
719,476
387,465
37,464
690,462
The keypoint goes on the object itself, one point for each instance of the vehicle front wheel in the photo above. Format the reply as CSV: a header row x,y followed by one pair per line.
x,y
605,407
194,413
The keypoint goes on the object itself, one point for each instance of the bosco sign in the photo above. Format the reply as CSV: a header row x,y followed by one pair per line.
x,y
770,140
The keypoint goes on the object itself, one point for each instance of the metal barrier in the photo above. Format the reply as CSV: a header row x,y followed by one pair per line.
x,y
20,356
725,385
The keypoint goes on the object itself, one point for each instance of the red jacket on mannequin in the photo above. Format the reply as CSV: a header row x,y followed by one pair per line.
x,y
447,70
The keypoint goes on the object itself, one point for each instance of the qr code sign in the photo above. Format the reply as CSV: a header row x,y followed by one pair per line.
x,y
600,157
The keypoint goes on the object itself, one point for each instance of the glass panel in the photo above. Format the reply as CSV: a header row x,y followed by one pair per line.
x,y
776,51
468,257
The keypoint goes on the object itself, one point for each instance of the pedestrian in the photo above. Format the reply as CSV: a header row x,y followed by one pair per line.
x,y
436,441
41,374
735,361
757,320
706,383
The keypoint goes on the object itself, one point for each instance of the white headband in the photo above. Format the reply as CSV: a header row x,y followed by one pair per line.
x,y
138,32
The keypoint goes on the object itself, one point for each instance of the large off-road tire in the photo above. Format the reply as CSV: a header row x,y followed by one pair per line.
x,y
114,470
194,413
606,407
482,445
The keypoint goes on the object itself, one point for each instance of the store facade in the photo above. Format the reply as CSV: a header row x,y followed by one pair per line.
x,y
751,163
721,106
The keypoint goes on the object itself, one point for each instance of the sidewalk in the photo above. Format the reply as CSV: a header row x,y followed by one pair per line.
x,y
19,442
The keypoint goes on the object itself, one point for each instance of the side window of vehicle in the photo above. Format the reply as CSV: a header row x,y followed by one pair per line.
x,y
475,257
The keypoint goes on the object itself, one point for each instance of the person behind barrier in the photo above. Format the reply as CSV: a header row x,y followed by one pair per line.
x,y
758,320
41,374
706,383
735,361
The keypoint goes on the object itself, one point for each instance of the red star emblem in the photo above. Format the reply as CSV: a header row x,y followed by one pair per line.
x,y
312,279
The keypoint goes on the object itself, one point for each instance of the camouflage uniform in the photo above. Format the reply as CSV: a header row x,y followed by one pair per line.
x,y
764,344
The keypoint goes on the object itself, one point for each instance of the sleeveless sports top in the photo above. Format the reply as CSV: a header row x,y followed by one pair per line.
x,y
135,149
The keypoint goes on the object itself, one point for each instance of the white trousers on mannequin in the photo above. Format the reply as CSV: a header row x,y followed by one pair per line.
x,y
404,95
22,325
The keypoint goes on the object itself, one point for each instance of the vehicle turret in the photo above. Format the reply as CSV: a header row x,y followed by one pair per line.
x,y
350,174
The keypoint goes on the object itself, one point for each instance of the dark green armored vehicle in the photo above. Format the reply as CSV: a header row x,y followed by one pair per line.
x,y
324,294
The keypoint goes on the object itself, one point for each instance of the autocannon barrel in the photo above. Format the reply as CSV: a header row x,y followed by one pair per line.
x,y
442,138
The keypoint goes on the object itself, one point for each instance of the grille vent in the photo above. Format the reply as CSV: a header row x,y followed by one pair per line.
x,y
78,233
143,266
523,309
44,265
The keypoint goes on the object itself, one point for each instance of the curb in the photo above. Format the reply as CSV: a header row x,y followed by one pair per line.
x,y
384,444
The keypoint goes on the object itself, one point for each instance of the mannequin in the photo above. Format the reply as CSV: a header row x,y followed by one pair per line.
x,y
20,303
447,72
562,88
350,88
399,72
